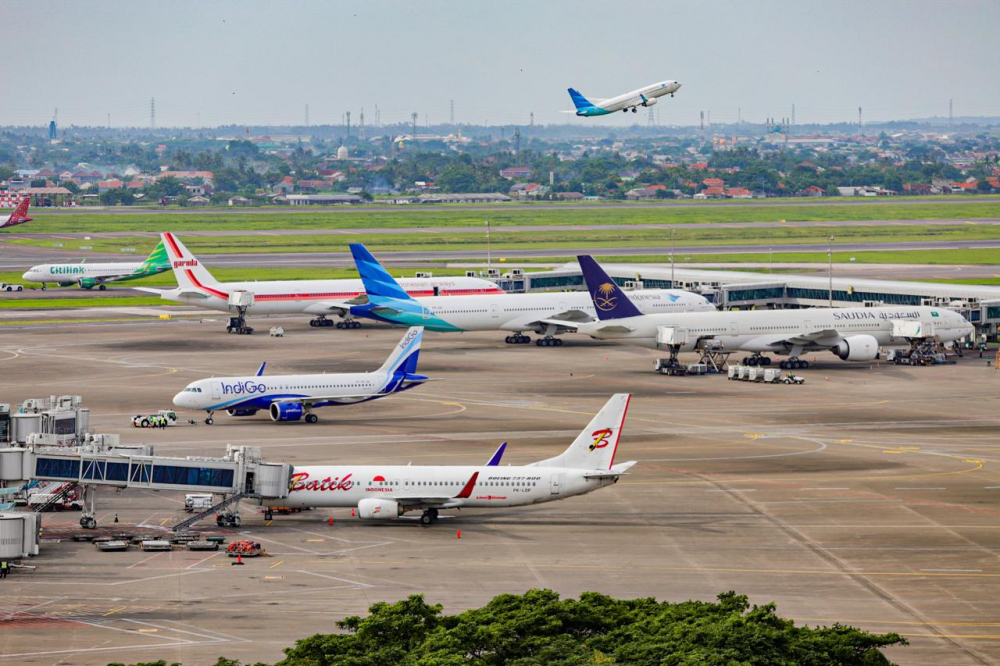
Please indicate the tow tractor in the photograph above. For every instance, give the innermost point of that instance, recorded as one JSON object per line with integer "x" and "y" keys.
{"x": 147, "y": 420}
{"x": 6, "y": 286}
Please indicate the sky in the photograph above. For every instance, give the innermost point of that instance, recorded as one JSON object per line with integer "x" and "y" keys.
{"x": 249, "y": 62}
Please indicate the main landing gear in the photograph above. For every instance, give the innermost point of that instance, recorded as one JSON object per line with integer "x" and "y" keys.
{"x": 311, "y": 418}
{"x": 757, "y": 359}
{"x": 429, "y": 517}
{"x": 793, "y": 364}
{"x": 349, "y": 323}
{"x": 517, "y": 339}
{"x": 549, "y": 342}
{"x": 320, "y": 322}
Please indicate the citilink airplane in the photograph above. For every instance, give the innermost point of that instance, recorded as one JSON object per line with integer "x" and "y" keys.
{"x": 646, "y": 96}
{"x": 290, "y": 397}
{"x": 386, "y": 492}
{"x": 98, "y": 275}
{"x": 542, "y": 313}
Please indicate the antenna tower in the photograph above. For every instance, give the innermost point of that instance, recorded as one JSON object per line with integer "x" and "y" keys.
{"x": 361, "y": 127}
{"x": 152, "y": 113}
{"x": 307, "y": 115}
{"x": 348, "y": 116}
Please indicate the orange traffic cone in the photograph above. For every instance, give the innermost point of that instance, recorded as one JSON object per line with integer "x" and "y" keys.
{"x": 331, "y": 521}
{"x": 459, "y": 535}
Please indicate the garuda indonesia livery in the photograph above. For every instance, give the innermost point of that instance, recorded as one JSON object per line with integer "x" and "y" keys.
{"x": 385, "y": 492}
{"x": 19, "y": 215}
{"x": 196, "y": 286}
{"x": 97, "y": 275}
{"x": 290, "y": 397}
{"x": 646, "y": 96}
{"x": 852, "y": 334}
{"x": 543, "y": 313}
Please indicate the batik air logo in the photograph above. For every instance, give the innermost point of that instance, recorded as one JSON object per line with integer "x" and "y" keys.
{"x": 600, "y": 438}
{"x": 606, "y": 297}
{"x": 301, "y": 481}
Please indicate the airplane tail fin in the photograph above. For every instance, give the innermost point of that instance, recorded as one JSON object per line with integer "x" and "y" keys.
{"x": 20, "y": 214}
{"x": 157, "y": 259}
{"x": 378, "y": 283}
{"x": 610, "y": 301}
{"x": 187, "y": 269}
{"x": 402, "y": 362}
{"x": 595, "y": 447}
{"x": 579, "y": 101}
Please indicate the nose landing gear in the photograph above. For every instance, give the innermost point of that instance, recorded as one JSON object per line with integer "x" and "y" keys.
{"x": 208, "y": 419}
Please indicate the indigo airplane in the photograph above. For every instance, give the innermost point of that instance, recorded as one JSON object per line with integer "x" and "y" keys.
{"x": 98, "y": 275}
{"x": 542, "y": 313}
{"x": 631, "y": 100}
{"x": 386, "y": 492}
{"x": 290, "y": 397}
{"x": 852, "y": 334}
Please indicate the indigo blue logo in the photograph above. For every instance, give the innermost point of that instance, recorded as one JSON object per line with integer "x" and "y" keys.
{"x": 248, "y": 387}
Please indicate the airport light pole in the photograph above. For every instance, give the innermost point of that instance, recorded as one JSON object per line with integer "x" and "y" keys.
{"x": 830, "y": 251}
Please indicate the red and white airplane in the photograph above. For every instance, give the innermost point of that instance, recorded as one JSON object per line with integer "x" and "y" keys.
{"x": 19, "y": 216}
{"x": 385, "y": 492}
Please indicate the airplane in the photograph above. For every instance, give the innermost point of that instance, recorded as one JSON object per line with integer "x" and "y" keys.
{"x": 646, "y": 96}
{"x": 89, "y": 276}
{"x": 19, "y": 215}
{"x": 515, "y": 313}
{"x": 852, "y": 334}
{"x": 386, "y": 492}
{"x": 197, "y": 287}
{"x": 292, "y": 397}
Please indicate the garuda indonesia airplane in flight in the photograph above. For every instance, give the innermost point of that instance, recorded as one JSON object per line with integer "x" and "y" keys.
{"x": 646, "y": 96}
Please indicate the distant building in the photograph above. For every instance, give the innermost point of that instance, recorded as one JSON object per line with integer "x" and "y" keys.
{"x": 198, "y": 201}
{"x": 320, "y": 199}
{"x": 107, "y": 185}
{"x": 342, "y": 153}
{"x": 437, "y": 198}
{"x": 240, "y": 201}
{"x": 510, "y": 173}
{"x": 206, "y": 176}
{"x": 813, "y": 191}
{"x": 570, "y": 196}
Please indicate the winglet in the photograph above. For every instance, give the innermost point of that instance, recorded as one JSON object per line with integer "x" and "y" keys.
{"x": 495, "y": 460}
{"x": 467, "y": 490}
{"x": 376, "y": 279}
{"x": 610, "y": 301}
{"x": 260, "y": 370}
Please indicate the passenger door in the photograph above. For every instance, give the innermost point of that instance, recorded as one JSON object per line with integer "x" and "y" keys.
{"x": 554, "y": 484}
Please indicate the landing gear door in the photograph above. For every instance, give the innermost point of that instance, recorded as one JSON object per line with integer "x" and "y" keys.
{"x": 554, "y": 484}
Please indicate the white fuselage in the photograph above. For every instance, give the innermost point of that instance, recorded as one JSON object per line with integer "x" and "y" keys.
{"x": 258, "y": 392}
{"x": 635, "y": 98}
{"x": 74, "y": 273}
{"x": 309, "y": 296}
{"x": 767, "y": 330}
{"x": 345, "y": 486}
{"x": 523, "y": 312}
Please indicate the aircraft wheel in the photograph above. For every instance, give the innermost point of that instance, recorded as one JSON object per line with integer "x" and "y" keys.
{"x": 624, "y": 110}
{"x": 558, "y": 341}
{"x": 327, "y": 323}
{"x": 355, "y": 324}
{"x": 311, "y": 418}
{"x": 236, "y": 521}
{"x": 209, "y": 421}
{"x": 43, "y": 287}
{"x": 426, "y": 518}
{"x": 766, "y": 359}
{"x": 103, "y": 287}
{"x": 268, "y": 515}
{"x": 803, "y": 364}
{"x": 635, "y": 110}
{"x": 312, "y": 322}
{"x": 783, "y": 365}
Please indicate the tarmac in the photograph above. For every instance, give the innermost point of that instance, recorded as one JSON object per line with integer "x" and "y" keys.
{"x": 868, "y": 496}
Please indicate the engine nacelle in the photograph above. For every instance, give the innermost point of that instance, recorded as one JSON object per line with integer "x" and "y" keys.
{"x": 650, "y": 101}
{"x": 857, "y": 348}
{"x": 86, "y": 283}
{"x": 67, "y": 284}
{"x": 241, "y": 412}
{"x": 286, "y": 411}
{"x": 379, "y": 509}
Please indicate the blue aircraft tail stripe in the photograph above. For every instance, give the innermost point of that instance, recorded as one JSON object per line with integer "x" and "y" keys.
{"x": 610, "y": 301}
{"x": 579, "y": 100}
{"x": 377, "y": 281}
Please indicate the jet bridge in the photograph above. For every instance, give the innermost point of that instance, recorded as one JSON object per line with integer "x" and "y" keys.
{"x": 240, "y": 472}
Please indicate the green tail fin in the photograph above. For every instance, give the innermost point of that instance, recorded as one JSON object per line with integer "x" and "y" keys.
{"x": 157, "y": 259}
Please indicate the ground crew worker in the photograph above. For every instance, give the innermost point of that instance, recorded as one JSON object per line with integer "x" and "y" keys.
{"x": 4, "y": 567}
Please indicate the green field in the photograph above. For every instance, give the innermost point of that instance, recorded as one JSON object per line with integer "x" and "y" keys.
{"x": 983, "y": 257}
{"x": 413, "y": 217}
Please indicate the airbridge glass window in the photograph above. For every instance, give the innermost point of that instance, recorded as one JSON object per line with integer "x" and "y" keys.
{"x": 57, "y": 468}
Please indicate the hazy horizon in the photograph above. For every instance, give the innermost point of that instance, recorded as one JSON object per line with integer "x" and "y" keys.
{"x": 261, "y": 63}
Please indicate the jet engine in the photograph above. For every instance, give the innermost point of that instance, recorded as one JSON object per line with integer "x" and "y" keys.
{"x": 857, "y": 348}
{"x": 286, "y": 411}
{"x": 86, "y": 283}
{"x": 650, "y": 101}
{"x": 379, "y": 509}
{"x": 241, "y": 412}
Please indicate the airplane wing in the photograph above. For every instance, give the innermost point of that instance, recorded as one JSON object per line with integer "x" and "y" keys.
{"x": 411, "y": 502}
{"x": 336, "y": 307}
{"x": 180, "y": 292}
{"x": 311, "y": 399}
{"x": 822, "y": 338}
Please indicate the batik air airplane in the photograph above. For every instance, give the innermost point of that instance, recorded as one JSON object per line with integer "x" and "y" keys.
{"x": 320, "y": 298}
{"x": 386, "y": 492}
{"x": 19, "y": 216}
{"x": 513, "y": 313}
{"x": 852, "y": 334}
{"x": 292, "y": 397}
{"x": 631, "y": 100}
{"x": 98, "y": 275}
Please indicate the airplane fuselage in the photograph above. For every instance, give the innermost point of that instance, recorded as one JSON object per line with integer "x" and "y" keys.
{"x": 645, "y": 96}
{"x": 92, "y": 273}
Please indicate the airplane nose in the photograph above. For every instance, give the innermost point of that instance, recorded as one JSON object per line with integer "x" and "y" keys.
{"x": 26, "y": 276}
{"x": 180, "y": 400}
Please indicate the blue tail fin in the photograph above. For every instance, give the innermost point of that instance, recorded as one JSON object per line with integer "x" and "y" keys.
{"x": 495, "y": 460}
{"x": 376, "y": 279}
{"x": 579, "y": 100}
{"x": 609, "y": 300}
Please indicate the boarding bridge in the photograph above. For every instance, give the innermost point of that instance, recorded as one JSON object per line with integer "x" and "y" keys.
{"x": 241, "y": 472}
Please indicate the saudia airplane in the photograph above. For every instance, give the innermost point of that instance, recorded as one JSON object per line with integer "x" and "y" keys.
{"x": 646, "y": 96}
{"x": 853, "y": 334}
{"x": 292, "y": 397}
{"x": 386, "y": 492}
{"x": 89, "y": 276}
{"x": 513, "y": 313}
{"x": 197, "y": 287}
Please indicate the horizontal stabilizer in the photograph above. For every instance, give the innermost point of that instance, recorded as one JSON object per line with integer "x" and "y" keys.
{"x": 614, "y": 472}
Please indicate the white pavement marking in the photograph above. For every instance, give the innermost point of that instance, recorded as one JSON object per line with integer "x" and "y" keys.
{"x": 342, "y": 580}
